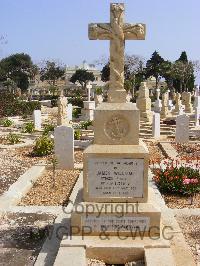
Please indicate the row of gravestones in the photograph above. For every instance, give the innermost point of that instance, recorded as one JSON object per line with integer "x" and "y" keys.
{"x": 165, "y": 106}
{"x": 182, "y": 127}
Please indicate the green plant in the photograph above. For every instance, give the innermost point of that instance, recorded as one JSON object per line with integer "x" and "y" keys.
{"x": 77, "y": 134}
{"x": 76, "y": 112}
{"x": 180, "y": 179}
{"x": 98, "y": 90}
{"x": 7, "y": 122}
{"x": 86, "y": 124}
{"x": 43, "y": 146}
{"x": 29, "y": 127}
{"x": 13, "y": 138}
{"x": 48, "y": 128}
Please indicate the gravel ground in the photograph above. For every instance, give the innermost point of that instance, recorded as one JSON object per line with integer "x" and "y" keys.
{"x": 189, "y": 150}
{"x": 14, "y": 163}
{"x": 154, "y": 151}
{"x": 49, "y": 191}
{"x": 21, "y": 239}
{"x": 191, "y": 233}
{"x": 179, "y": 202}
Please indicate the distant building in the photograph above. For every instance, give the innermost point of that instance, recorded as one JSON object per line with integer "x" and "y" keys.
{"x": 91, "y": 68}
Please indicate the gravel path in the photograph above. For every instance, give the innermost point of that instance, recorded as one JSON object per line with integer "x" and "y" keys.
{"x": 14, "y": 163}
{"x": 21, "y": 239}
{"x": 191, "y": 230}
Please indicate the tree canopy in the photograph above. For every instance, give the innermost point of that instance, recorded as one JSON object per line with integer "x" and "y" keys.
{"x": 153, "y": 67}
{"x": 51, "y": 73}
{"x": 19, "y": 68}
{"x": 82, "y": 76}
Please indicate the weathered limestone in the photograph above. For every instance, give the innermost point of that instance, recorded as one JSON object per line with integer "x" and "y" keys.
{"x": 182, "y": 129}
{"x": 186, "y": 100}
{"x": 144, "y": 103}
{"x": 37, "y": 119}
{"x": 62, "y": 110}
{"x": 64, "y": 147}
{"x": 117, "y": 32}
{"x": 156, "y": 126}
{"x": 88, "y": 110}
{"x": 98, "y": 98}
{"x": 197, "y": 116}
{"x": 164, "y": 109}
{"x": 178, "y": 103}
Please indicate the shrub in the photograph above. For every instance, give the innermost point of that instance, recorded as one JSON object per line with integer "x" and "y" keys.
{"x": 43, "y": 146}
{"x": 48, "y": 128}
{"x": 76, "y": 101}
{"x": 7, "y": 123}
{"x": 13, "y": 138}
{"x": 10, "y": 105}
{"x": 86, "y": 124}
{"x": 76, "y": 112}
{"x": 180, "y": 179}
{"x": 54, "y": 101}
{"x": 29, "y": 127}
{"x": 77, "y": 134}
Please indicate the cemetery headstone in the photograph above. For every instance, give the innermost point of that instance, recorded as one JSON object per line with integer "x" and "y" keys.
{"x": 197, "y": 116}
{"x": 178, "y": 103}
{"x": 62, "y": 110}
{"x": 158, "y": 104}
{"x": 164, "y": 109}
{"x": 144, "y": 103}
{"x": 69, "y": 111}
{"x": 186, "y": 100}
{"x": 182, "y": 129}
{"x": 64, "y": 147}
{"x": 115, "y": 166}
{"x": 156, "y": 126}
{"x": 37, "y": 119}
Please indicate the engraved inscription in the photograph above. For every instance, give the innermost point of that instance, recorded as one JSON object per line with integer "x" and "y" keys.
{"x": 113, "y": 224}
{"x": 109, "y": 177}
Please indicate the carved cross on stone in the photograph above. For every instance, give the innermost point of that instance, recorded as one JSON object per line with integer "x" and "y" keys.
{"x": 117, "y": 32}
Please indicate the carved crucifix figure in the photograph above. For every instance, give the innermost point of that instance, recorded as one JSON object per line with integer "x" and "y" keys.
{"x": 117, "y": 32}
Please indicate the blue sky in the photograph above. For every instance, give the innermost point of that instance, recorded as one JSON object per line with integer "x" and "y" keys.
{"x": 58, "y": 29}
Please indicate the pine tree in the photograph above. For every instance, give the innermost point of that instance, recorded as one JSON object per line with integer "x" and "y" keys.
{"x": 153, "y": 67}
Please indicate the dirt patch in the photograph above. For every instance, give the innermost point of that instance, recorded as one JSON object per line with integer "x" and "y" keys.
{"x": 49, "y": 190}
{"x": 190, "y": 151}
{"x": 21, "y": 239}
{"x": 155, "y": 152}
{"x": 191, "y": 230}
{"x": 179, "y": 202}
{"x": 15, "y": 162}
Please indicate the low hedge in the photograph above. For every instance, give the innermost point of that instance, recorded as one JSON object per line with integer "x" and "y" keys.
{"x": 12, "y": 106}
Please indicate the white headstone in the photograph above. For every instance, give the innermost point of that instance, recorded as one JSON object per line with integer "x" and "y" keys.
{"x": 88, "y": 111}
{"x": 64, "y": 147}
{"x": 182, "y": 129}
{"x": 69, "y": 111}
{"x": 37, "y": 118}
{"x": 170, "y": 105}
{"x": 156, "y": 125}
{"x": 157, "y": 106}
{"x": 197, "y": 116}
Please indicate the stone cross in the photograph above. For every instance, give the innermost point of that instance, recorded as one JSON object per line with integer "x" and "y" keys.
{"x": 117, "y": 32}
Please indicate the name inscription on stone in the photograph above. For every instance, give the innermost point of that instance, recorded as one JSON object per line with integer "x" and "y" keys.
{"x": 113, "y": 224}
{"x": 109, "y": 177}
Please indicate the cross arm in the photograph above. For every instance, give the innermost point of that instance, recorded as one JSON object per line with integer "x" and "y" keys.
{"x": 134, "y": 31}
{"x": 99, "y": 31}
